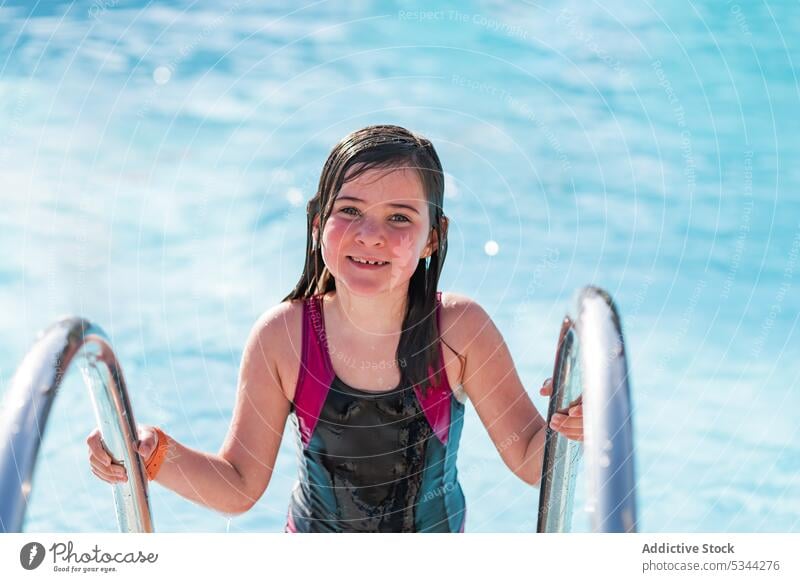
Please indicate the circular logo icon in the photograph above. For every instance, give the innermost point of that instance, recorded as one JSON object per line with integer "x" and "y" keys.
{"x": 31, "y": 555}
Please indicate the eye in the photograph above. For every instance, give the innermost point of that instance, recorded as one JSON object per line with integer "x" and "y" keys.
{"x": 403, "y": 217}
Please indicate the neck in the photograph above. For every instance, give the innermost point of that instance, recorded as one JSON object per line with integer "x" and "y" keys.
{"x": 380, "y": 316}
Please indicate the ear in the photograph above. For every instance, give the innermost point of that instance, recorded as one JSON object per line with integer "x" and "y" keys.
{"x": 433, "y": 240}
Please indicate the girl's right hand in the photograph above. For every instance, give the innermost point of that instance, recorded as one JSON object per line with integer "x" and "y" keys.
{"x": 103, "y": 464}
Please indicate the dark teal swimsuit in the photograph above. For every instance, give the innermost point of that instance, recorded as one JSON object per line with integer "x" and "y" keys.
{"x": 372, "y": 462}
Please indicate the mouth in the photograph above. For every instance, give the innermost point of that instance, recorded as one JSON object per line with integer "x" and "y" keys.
{"x": 362, "y": 263}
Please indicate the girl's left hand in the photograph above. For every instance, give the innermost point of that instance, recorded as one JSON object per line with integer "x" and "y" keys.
{"x": 569, "y": 421}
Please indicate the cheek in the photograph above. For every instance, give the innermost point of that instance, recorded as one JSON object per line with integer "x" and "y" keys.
{"x": 336, "y": 231}
{"x": 333, "y": 236}
{"x": 403, "y": 250}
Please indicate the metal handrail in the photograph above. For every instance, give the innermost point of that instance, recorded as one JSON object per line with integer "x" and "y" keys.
{"x": 27, "y": 405}
{"x": 608, "y": 424}
{"x": 591, "y": 359}
{"x": 560, "y": 462}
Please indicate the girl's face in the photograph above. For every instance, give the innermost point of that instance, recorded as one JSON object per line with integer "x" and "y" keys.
{"x": 382, "y": 216}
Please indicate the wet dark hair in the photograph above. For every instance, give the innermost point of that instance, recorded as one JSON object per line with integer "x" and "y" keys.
{"x": 387, "y": 146}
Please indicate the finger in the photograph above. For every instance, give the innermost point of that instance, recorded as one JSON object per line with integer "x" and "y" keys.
{"x": 144, "y": 451}
{"x": 109, "y": 470}
{"x": 562, "y": 423}
{"x": 576, "y": 411}
{"x": 547, "y": 387}
{"x": 101, "y": 476}
{"x": 570, "y": 429}
{"x": 143, "y": 447}
{"x": 104, "y": 476}
{"x": 570, "y": 432}
{"x": 148, "y": 445}
{"x": 112, "y": 474}
{"x": 97, "y": 448}
{"x": 556, "y": 421}
{"x": 112, "y": 479}
{"x": 570, "y": 423}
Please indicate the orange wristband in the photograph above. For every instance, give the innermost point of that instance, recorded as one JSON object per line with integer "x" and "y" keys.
{"x": 157, "y": 458}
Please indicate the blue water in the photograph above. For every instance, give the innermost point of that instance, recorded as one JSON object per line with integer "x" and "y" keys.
{"x": 155, "y": 162}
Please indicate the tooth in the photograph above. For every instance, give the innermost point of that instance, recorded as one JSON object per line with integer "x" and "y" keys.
{"x": 364, "y": 261}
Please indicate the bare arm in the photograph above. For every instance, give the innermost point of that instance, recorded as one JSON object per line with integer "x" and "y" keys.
{"x": 232, "y": 480}
{"x": 259, "y": 418}
{"x": 494, "y": 387}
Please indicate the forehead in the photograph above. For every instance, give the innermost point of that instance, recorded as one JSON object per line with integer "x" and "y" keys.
{"x": 379, "y": 185}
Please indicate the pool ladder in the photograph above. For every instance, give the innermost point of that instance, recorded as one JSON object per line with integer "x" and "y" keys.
{"x": 27, "y": 405}
{"x": 590, "y": 360}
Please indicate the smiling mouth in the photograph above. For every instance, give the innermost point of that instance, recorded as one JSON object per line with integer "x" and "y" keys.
{"x": 364, "y": 263}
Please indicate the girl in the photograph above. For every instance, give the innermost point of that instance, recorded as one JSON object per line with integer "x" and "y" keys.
{"x": 369, "y": 360}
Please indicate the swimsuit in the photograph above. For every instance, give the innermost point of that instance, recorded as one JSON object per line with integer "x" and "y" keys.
{"x": 372, "y": 461}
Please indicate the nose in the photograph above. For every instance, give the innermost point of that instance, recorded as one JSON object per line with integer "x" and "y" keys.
{"x": 370, "y": 234}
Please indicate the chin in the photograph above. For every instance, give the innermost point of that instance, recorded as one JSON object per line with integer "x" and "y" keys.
{"x": 363, "y": 289}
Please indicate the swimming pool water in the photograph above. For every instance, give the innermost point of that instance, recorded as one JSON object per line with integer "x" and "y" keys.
{"x": 156, "y": 160}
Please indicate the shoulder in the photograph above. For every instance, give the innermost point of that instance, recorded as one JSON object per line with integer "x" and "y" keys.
{"x": 451, "y": 300}
{"x": 278, "y": 319}
{"x": 274, "y": 343}
{"x": 461, "y": 309}
{"x": 463, "y": 320}
{"x": 275, "y": 331}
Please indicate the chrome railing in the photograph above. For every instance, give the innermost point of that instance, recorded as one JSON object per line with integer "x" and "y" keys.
{"x": 561, "y": 455}
{"x": 590, "y": 360}
{"x": 26, "y": 408}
